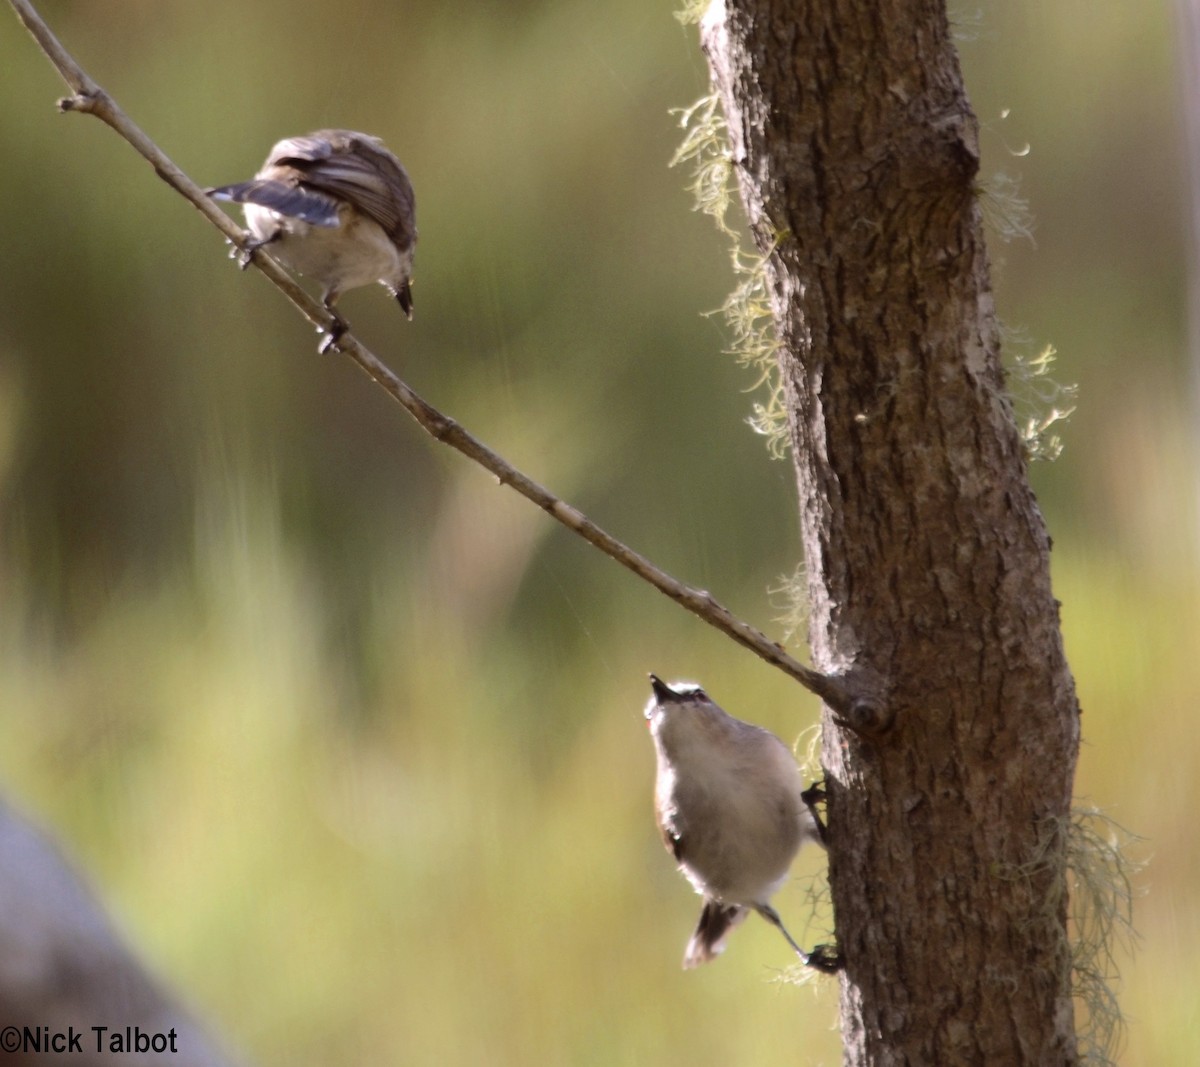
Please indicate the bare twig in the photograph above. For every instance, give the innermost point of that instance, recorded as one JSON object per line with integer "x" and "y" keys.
{"x": 89, "y": 97}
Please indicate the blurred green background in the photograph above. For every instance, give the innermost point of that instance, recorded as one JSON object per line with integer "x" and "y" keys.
{"x": 348, "y": 737}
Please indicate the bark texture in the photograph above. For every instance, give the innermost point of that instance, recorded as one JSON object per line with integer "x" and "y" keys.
{"x": 928, "y": 561}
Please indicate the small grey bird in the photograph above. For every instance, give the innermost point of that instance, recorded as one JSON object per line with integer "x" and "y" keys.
{"x": 732, "y": 810}
{"x": 336, "y": 206}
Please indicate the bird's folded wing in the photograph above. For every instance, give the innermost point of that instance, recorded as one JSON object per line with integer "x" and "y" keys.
{"x": 354, "y": 169}
{"x": 294, "y": 201}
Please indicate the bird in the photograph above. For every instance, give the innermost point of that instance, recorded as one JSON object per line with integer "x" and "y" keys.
{"x": 336, "y": 206}
{"x": 732, "y": 809}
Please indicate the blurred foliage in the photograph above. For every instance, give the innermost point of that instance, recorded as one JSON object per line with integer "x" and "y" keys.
{"x": 348, "y": 736}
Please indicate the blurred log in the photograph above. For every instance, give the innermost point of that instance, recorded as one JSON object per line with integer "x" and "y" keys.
{"x": 64, "y": 970}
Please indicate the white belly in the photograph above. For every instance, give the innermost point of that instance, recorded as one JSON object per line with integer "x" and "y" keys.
{"x": 356, "y": 252}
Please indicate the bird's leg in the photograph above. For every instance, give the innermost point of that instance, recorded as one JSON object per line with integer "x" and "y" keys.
{"x": 812, "y": 796}
{"x": 331, "y": 334}
{"x": 824, "y": 958}
{"x": 245, "y": 254}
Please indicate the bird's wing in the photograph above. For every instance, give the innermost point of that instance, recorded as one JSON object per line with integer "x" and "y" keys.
{"x": 294, "y": 201}
{"x": 670, "y": 825}
{"x": 354, "y": 168}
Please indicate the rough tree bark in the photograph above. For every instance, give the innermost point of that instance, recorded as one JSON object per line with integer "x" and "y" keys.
{"x": 949, "y": 787}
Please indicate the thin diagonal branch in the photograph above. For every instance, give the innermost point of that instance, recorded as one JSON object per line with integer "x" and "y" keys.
{"x": 89, "y": 97}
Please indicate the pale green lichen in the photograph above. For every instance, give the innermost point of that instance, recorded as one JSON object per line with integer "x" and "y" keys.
{"x": 747, "y": 310}
{"x": 1102, "y": 926}
{"x": 790, "y": 597}
{"x": 1099, "y": 885}
{"x": 692, "y": 11}
{"x": 1040, "y": 402}
{"x": 706, "y": 146}
{"x": 1005, "y": 209}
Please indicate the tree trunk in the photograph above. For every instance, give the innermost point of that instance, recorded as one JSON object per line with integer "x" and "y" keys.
{"x": 949, "y": 782}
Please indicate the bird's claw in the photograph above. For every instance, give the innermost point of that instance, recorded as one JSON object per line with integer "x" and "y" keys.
{"x": 331, "y": 334}
{"x": 827, "y": 959}
{"x": 812, "y": 796}
{"x": 243, "y": 255}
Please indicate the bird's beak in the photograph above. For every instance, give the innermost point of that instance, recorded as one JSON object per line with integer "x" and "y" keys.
{"x": 662, "y": 691}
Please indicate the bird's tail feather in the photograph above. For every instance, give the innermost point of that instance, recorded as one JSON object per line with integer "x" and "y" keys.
{"x": 716, "y": 920}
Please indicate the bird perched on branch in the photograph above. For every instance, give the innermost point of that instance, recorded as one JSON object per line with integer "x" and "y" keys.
{"x": 732, "y": 810}
{"x": 336, "y": 206}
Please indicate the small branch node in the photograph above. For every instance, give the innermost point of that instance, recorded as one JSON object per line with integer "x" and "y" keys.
{"x": 859, "y": 702}
{"x": 85, "y": 102}
{"x": 867, "y": 718}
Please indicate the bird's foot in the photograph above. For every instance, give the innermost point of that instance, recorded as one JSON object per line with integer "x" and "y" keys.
{"x": 812, "y": 796}
{"x": 243, "y": 255}
{"x": 331, "y": 334}
{"x": 827, "y": 959}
